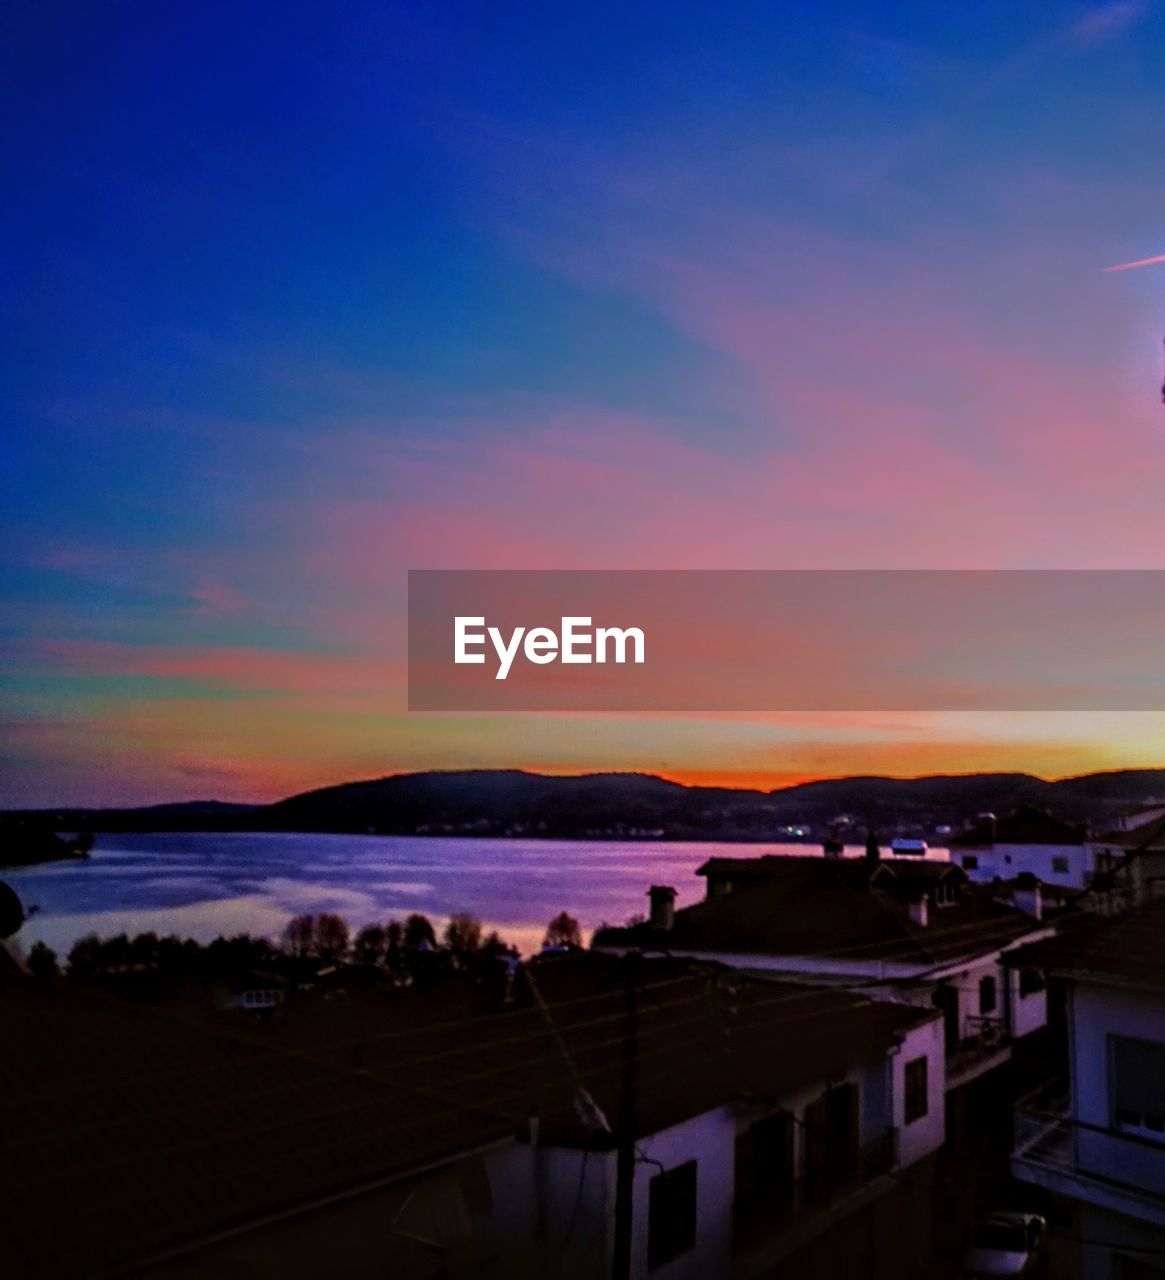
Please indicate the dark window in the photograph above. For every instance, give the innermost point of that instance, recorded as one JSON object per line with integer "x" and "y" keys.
{"x": 1060, "y": 864}
{"x": 671, "y": 1214}
{"x": 1030, "y": 981}
{"x": 971, "y": 861}
{"x": 831, "y": 1141}
{"x": 916, "y": 1095}
{"x": 765, "y": 1176}
{"x": 986, "y": 995}
{"x": 1138, "y": 1084}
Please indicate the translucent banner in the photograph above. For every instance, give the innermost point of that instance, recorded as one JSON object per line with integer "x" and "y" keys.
{"x": 786, "y": 640}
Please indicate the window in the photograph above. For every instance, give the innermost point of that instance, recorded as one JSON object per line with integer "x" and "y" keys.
{"x": 671, "y": 1214}
{"x": 987, "y": 995}
{"x": 764, "y": 1177}
{"x": 971, "y": 861}
{"x": 1031, "y": 981}
{"x": 1137, "y": 1075}
{"x": 831, "y": 1141}
{"x": 1060, "y": 864}
{"x": 764, "y": 1159}
{"x": 916, "y": 1095}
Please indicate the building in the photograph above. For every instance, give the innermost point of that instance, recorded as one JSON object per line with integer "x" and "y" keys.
{"x": 1026, "y": 841}
{"x": 1098, "y": 1154}
{"x": 1130, "y": 864}
{"x": 685, "y": 1118}
{"x": 914, "y": 932}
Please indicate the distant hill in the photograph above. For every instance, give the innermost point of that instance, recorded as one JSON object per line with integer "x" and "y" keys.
{"x": 636, "y": 805}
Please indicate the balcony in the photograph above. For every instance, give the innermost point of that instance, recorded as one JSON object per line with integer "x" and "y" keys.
{"x": 986, "y": 1047}
{"x": 1106, "y": 1167}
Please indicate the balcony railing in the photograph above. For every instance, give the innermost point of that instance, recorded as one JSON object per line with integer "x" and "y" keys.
{"x": 1103, "y": 1165}
{"x": 988, "y": 1038}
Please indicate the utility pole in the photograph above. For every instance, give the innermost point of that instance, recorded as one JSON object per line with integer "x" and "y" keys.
{"x": 625, "y": 1153}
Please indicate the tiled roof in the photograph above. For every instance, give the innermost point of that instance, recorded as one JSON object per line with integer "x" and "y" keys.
{"x": 129, "y": 1132}
{"x": 1024, "y": 826}
{"x": 834, "y": 908}
{"x": 707, "y": 1038}
{"x": 1128, "y": 949}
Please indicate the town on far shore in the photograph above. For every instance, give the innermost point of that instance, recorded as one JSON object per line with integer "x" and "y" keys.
{"x": 847, "y": 1059}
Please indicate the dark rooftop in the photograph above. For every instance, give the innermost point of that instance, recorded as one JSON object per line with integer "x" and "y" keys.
{"x": 1024, "y": 826}
{"x": 131, "y": 1132}
{"x": 833, "y": 908}
{"x": 1128, "y": 950}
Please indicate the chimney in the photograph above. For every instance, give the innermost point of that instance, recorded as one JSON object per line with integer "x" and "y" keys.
{"x": 1027, "y": 897}
{"x": 920, "y": 910}
{"x": 873, "y": 853}
{"x": 663, "y": 907}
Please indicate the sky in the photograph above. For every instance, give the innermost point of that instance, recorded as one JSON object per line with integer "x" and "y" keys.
{"x": 296, "y": 298}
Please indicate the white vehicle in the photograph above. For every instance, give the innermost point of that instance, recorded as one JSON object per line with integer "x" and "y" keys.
{"x": 1008, "y": 1244}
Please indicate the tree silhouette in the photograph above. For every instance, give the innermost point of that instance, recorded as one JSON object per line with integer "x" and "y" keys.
{"x": 42, "y": 961}
{"x": 331, "y": 936}
{"x": 299, "y": 935}
{"x": 85, "y": 958}
{"x": 371, "y": 945}
{"x": 463, "y": 933}
{"x": 418, "y": 930}
{"x": 563, "y": 931}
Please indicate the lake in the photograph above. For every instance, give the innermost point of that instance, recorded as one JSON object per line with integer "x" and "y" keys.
{"x": 200, "y": 885}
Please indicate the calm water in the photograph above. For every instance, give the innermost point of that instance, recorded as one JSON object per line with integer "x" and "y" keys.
{"x": 200, "y": 885}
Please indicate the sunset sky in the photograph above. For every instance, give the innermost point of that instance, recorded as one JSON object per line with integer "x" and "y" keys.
{"x": 299, "y": 297}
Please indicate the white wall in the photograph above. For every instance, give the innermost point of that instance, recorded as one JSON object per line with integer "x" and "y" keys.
{"x": 710, "y": 1140}
{"x": 1008, "y": 860}
{"x": 1098, "y": 1012}
{"x": 553, "y": 1209}
{"x": 926, "y": 1134}
{"x": 1028, "y": 1013}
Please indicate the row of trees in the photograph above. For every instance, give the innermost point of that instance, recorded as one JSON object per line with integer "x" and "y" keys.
{"x": 308, "y": 941}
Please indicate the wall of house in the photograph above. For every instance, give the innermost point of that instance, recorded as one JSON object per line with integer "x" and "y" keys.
{"x": 1008, "y": 860}
{"x": 922, "y": 1136}
{"x": 710, "y": 1140}
{"x": 966, "y": 982}
{"x": 1027, "y": 1013}
{"x": 1096, "y": 1013}
{"x": 552, "y": 1212}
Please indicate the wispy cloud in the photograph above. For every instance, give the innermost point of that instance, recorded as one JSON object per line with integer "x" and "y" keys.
{"x": 1107, "y": 21}
{"x": 1141, "y": 262}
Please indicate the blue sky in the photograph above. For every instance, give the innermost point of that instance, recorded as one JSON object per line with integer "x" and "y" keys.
{"x": 297, "y": 297}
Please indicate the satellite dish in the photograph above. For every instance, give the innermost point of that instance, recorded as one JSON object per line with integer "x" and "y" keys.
{"x": 11, "y": 911}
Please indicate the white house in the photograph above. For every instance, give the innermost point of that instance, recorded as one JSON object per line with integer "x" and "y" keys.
{"x": 777, "y": 1126}
{"x": 916, "y": 933}
{"x": 1027, "y": 840}
{"x": 1101, "y": 1151}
